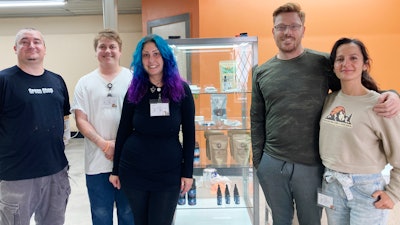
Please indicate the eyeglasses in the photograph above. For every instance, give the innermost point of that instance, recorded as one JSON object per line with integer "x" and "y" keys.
{"x": 282, "y": 27}
{"x": 109, "y": 85}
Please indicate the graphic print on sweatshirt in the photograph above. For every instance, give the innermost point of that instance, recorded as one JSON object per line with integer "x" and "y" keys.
{"x": 338, "y": 117}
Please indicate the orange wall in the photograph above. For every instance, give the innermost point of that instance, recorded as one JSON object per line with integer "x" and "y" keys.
{"x": 158, "y": 9}
{"x": 376, "y": 23}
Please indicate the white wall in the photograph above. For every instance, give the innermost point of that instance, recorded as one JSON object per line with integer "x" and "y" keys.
{"x": 69, "y": 42}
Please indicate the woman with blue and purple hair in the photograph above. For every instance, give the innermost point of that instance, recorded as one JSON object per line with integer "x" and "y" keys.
{"x": 151, "y": 165}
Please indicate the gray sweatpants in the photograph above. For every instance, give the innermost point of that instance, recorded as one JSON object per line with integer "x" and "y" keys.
{"x": 286, "y": 185}
{"x": 46, "y": 197}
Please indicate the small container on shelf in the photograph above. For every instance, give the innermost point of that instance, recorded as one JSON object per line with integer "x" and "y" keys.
{"x": 192, "y": 194}
{"x": 219, "y": 196}
{"x": 227, "y": 195}
{"x": 196, "y": 157}
{"x": 236, "y": 197}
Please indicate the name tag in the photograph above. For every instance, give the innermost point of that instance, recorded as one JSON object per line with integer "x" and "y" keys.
{"x": 159, "y": 109}
{"x": 109, "y": 102}
{"x": 325, "y": 200}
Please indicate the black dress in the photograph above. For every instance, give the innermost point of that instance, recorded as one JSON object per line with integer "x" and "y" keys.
{"x": 148, "y": 153}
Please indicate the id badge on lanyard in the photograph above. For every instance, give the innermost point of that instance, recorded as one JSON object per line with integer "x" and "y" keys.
{"x": 159, "y": 107}
{"x": 109, "y": 102}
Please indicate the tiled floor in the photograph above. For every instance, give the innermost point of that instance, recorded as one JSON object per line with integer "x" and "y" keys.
{"x": 78, "y": 210}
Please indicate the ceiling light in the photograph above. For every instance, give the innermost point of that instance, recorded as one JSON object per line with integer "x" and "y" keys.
{"x": 26, "y": 3}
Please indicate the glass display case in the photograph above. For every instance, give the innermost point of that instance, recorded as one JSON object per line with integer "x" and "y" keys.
{"x": 219, "y": 72}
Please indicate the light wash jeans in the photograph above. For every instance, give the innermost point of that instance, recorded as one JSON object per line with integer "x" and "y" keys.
{"x": 352, "y": 198}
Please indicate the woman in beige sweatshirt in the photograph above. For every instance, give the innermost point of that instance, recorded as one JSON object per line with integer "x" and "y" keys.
{"x": 356, "y": 144}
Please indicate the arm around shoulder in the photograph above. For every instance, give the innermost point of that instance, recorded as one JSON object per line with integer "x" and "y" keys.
{"x": 388, "y": 104}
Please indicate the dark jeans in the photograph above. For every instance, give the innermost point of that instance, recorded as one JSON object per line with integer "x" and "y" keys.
{"x": 152, "y": 207}
{"x": 102, "y": 196}
{"x": 287, "y": 184}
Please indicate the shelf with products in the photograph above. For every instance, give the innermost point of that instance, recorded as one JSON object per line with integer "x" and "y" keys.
{"x": 220, "y": 191}
{"x": 218, "y": 194}
{"x": 222, "y": 111}
{"x": 219, "y": 72}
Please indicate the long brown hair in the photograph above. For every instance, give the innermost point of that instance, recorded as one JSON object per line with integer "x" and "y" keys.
{"x": 366, "y": 79}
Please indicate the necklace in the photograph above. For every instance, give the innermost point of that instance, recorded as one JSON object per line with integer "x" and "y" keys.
{"x": 154, "y": 82}
{"x": 154, "y": 88}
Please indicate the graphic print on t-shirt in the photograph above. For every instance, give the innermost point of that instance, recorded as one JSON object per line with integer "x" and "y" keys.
{"x": 35, "y": 91}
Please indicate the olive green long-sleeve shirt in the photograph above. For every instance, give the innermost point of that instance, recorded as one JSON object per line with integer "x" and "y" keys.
{"x": 287, "y": 99}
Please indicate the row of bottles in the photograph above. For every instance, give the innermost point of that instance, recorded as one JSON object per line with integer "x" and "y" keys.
{"x": 236, "y": 197}
{"x": 191, "y": 196}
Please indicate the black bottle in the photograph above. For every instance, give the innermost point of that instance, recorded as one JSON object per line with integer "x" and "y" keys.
{"x": 219, "y": 196}
{"x": 192, "y": 194}
{"x": 227, "y": 195}
{"x": 182, "y": 199}
{"x": 236, "y": 197}
{"x": 196, "y": 156}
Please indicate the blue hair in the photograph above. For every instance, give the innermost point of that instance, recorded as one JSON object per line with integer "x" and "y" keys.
{"x": 173, "y": 82}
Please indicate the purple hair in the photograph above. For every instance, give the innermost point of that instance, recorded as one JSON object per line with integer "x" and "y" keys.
{"x": 173, "y": 82}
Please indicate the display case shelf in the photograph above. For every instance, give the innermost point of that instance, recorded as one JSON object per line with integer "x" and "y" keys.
{"x": 219, "y": 72}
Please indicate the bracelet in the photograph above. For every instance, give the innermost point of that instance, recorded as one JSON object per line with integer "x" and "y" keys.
{"x": 107, "y": 147}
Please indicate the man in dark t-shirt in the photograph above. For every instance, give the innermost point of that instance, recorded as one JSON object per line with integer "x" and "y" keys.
{"x": 33, "y": 166}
